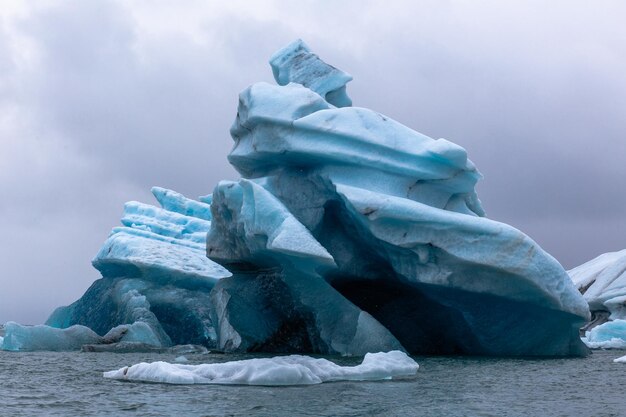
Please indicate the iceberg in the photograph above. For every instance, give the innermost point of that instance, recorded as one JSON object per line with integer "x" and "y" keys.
{"x": 351, "y": 233}
{"x": 156, "y": 278}
{"x": 603, "y": 283}
{"x": 282, "y": 370}
{"x": 41, "y": 337}
{"x": 610, "y": 335}
{"x": 138, "y": 336}
{"x": 347, "y": 233}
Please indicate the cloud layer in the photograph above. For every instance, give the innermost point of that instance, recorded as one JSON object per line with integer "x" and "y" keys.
{"x": 101, "y": 100}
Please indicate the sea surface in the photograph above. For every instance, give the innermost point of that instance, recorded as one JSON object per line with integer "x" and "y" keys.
{"x": 71, "y": 384}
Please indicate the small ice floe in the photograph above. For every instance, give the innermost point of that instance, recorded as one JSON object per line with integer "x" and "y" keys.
{"x": 610, "y": 335}
{"x": 181, "y": 359}
{"x": 280, "y": 370}
{"x": 621, "y": 359}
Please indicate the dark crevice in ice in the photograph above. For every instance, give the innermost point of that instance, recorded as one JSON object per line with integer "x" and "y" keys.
{"x": 421, "y": 324}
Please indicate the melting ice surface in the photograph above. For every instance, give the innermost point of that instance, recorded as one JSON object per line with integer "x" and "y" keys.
{"x": 280, "y": 370}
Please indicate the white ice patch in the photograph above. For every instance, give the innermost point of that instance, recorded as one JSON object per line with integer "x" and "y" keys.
{"x": 610, "y": 335}
{"x": 280, "y": 370}
{"x": 621, "y": 359}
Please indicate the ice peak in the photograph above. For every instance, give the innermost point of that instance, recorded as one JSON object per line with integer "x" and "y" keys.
{"x": 295, "y": 63}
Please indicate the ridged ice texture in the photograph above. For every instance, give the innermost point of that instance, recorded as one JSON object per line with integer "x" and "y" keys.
{"x": 281, "y": 370}
{"x": 397, "y": 213}
{"x": 163, "y": 244}
{"x": 156, "y": 277}
{"x": 603, "y": 283}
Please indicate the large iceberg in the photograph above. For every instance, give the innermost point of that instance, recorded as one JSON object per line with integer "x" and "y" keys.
{"x": 282, "y": 370}
{"x": 350, "y": 233}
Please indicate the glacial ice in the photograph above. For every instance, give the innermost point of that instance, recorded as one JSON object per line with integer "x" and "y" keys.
{"x": 47, "y": 338}
{"x": 344, "y": 204}
{"x": 348, "y": 233}
{"x": 281, "y": 370}
{"x": 610, "y": 335}
{"x": 40, "y": 337}
{"x": 297, "y": 64}
{"x": 603, "y": 283}
{"x": 156, "y": 277}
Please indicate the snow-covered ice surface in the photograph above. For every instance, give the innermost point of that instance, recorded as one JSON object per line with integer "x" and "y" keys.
{"x": 280, "y": 370}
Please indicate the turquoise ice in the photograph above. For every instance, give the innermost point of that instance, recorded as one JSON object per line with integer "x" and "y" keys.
{"x": 156, "y": 277}
{"x": 348, "y": 233}
{"x": 345, "y": 204}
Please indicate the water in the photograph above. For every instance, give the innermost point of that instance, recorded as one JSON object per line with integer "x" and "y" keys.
{"x": 71, "y": 384}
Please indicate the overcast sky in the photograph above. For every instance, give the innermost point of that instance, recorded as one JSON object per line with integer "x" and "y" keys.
{"x": 100, "y": 100}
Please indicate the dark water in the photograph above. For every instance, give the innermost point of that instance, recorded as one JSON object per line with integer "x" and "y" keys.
{"x": 71, "y": 384}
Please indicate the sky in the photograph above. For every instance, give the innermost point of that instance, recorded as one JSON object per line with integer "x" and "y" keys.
{"x": 101, "y": 100}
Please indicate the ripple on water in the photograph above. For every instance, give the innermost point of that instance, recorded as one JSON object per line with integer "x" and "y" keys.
{"x": 71, "y": 383}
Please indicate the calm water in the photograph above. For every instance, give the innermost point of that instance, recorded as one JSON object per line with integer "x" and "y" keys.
{"x": 71, "y": 384}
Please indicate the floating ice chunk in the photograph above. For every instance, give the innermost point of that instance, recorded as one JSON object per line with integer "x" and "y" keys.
{"x": 1, "y": 343}
{"x": 621, "y": 359}
{"x": 610, "y": 335}
{"x": 181, "y": 359}
{"x": 296, "y": 63}
{"x": 42, "y": 337}
{"x": 176, "y": 202}
{"x": 281, "y": 370}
